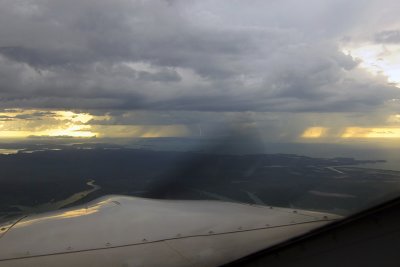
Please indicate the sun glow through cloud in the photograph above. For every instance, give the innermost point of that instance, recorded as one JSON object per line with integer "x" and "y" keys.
{"x": 378, "y": 59}
{"x": 360, "y": 132}
{"x": 314, "y": 132}
{"x": 20, "y": 123}
{"x": 72, "y": 116}
{"x": 71, "y": 131}
{"x": 353, "y": 132}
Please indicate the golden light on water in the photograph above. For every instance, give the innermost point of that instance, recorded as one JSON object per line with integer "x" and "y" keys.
{"x": 314, "y": 132}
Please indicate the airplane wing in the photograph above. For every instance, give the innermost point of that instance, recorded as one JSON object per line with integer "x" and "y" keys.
{"x": 130, "y": 231}
{"x": 368, "y": 238}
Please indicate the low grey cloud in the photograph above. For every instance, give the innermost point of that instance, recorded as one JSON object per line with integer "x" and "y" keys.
{"x": 175, "y": 55}
{"x": 392, "y": 36}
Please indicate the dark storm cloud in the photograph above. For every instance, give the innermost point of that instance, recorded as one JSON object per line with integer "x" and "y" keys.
{"x": 176, "y": 55}
{"x": 6, "y": 118}
{"x": 37, "y": 115}
{"x": 78, "y": 32}
{"x": 162, "y": 76}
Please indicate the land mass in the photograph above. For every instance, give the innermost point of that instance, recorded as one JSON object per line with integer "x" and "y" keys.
{"x": 43, "y": 180}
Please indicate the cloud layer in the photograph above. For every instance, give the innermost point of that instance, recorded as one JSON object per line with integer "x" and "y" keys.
{"x": 201, "y": 56}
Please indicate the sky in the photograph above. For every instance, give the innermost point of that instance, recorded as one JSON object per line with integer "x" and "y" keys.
{"x": 291, "y": 71}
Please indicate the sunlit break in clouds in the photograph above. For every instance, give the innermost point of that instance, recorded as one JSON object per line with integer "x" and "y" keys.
{"x": 382, "y": 59}
{"x": 20, "y": 123}
{"x": 314, "y": 132}
{"x": 359, "y": 132}
{"x": 28, "y": 123}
